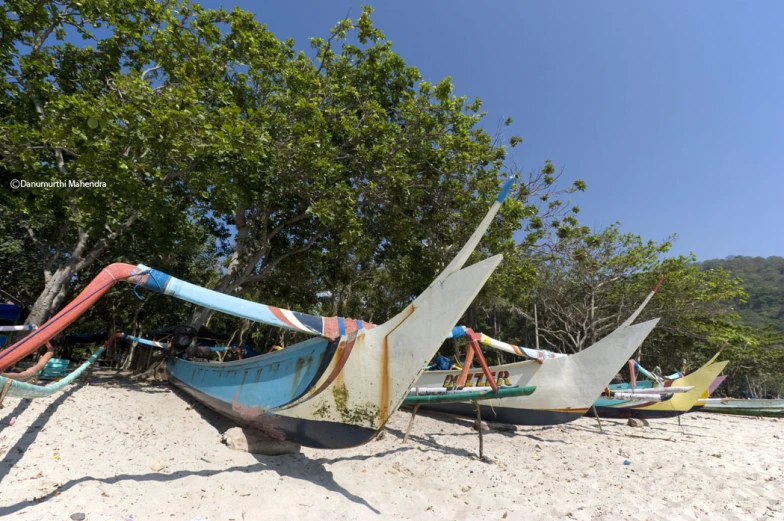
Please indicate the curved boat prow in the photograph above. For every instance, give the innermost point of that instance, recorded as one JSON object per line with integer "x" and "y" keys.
{"x": 593, "y": 368}
{"x": 633, "y": 317}
{"x": 391, "y": 356}
{"x": 462, "y": 257}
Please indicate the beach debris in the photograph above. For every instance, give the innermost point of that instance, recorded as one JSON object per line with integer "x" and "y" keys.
{"x": 245, "y": 440}
{"x": 158, "y": 466}
{"x": 716, "y": 455}
{"x": 627, "y": 462}
{"x": 78, "y": 516}
{"x": 634, "y": 422}
{"x": 12, "y": 421}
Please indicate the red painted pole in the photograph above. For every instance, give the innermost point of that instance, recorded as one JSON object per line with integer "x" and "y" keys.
{"x": 474, "y": 341}
{"x": 95, "y": 290}
{"x": 461, "y": 380}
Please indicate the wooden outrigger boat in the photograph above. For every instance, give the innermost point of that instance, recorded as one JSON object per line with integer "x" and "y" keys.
{"x": 751, "y": 407}
{"x": 680, "y": 403}
{"x": 697, "y": 407}
{"x": 566, "y": 385}
{"x": 334, "y": 391}
{"x": 747, "y": 407}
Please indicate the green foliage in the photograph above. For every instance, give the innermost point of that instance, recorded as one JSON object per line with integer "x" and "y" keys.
{"x": 233, "y": 161}
{"x": 763, "y": 280}
{"x": 587, "y": 283}
{"x": 590, "y": 281}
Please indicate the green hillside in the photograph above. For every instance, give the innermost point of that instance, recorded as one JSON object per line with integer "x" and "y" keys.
{"x": 763, "y": 280}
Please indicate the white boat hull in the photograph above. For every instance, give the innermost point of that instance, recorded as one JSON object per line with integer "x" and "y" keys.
{"x": 566, "y": 387}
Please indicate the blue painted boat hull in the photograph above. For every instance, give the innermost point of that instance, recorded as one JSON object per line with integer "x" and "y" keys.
{"x": 250, "y": 392}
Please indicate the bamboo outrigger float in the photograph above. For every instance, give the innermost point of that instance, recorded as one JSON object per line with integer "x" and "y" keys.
{"x": 334, "y": 391}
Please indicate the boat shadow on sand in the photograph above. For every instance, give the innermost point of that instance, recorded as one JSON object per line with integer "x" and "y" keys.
{"x": 123, "y": 378}
{"x": 296, "y": 466}
{"x": 17, "y": 450}
{"x": 468, "y": 424}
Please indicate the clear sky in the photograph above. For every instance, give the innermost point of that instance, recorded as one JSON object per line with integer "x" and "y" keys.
{"x": 672, "y": 112}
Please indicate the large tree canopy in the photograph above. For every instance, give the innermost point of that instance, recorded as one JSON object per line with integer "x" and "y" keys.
{"x": 310, "y": 171}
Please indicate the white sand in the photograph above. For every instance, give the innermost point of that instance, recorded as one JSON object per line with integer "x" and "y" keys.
{"x": 92, "y": 449}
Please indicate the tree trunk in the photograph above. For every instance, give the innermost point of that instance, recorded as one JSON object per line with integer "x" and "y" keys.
{"x": 53, "y": 294}
{"x": 199, "y": 317}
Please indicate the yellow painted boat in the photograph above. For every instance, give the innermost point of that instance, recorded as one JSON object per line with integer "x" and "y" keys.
{"x": 700, "y": 380}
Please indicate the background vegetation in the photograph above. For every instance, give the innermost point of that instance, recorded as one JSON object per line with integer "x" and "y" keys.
{"x": 334, "y": 182}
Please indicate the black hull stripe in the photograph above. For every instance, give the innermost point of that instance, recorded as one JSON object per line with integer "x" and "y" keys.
{"x": 628, "y": 412}
{"x": 511, "y": 415}
{"x": 309, "y": 433}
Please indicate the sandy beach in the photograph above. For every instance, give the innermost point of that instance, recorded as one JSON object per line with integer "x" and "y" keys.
{"x": 93, "y": 450}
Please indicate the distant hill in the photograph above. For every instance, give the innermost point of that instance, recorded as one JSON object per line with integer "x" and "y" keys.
{"x": 763, "y": 280}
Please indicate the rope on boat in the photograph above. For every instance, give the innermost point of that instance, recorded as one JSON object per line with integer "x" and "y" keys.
{"x": 26, "y": 390}
{"x": 139, "y": 281}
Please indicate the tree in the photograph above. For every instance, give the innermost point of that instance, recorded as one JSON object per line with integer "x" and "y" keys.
{"x": 297, "y": 165}
{"x": 78, "y": 108}
{"x": 590, "y": 282}
{"x": 346, "y": 158}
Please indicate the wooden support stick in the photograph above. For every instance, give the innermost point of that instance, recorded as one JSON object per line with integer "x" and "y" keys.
{"x": 595, "y": 413}
{"x": 479, "y": 428}
{"x": 411, "y": 422}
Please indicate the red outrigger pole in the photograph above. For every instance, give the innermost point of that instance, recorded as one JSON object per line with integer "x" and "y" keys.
{"x": 95, "y": 290}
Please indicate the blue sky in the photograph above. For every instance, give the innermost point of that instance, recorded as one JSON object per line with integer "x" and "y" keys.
{"x": 672, "y": 112}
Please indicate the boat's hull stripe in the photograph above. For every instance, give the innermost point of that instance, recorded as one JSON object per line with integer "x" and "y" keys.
{"x": 629, "y": 412}
{"x": 339, "y": 365}
{"x": 311, "y": 433}
{"x": 509, "y": 414}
